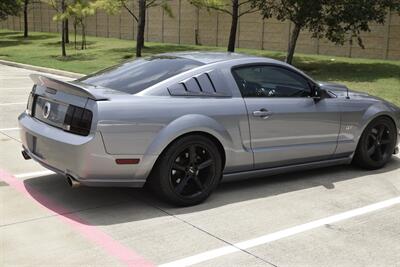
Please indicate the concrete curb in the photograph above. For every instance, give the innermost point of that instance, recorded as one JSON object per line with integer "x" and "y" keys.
{"x": 41, "y": 69}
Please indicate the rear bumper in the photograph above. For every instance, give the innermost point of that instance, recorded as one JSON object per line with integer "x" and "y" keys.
{"x": 82, "y": 157}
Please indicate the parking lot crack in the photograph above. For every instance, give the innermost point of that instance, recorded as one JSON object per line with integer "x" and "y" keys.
{"x": 9, "y": 136}
{"x": 210, "y": 234}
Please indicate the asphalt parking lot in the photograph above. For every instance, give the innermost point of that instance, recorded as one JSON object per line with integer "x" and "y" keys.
{"x": 340, "y": 216}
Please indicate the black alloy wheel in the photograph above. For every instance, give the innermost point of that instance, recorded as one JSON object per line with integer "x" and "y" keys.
{"x": 377, "y": 144}
{"x": 188, "y": 171}
{"x": 192, "y": 171}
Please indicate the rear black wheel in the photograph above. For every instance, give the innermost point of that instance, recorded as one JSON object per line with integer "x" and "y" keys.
{"x": 376, "y": 144}
{"x": 188, "y": 171}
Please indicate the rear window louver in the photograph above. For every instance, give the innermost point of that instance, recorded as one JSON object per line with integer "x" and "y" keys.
{"x": 205, "y": 84}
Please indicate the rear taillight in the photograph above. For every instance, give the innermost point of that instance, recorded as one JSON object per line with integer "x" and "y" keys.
{"x": 29, "y": 106}
{"x": 31, "y": 102}
{"x": 78, "y": 120}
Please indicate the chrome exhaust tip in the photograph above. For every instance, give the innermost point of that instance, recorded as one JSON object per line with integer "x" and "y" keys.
{"x": 25, "y": 155}
{"x": 73, "y": 183}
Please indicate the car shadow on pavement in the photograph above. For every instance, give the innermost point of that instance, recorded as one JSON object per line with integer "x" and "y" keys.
{"x": 109, "y": 206}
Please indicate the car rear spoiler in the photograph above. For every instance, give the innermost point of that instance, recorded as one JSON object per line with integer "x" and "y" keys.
{"x": 66, "y": 87}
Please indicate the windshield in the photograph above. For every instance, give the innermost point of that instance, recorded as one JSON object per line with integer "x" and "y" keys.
{"x": 134, "y": 76}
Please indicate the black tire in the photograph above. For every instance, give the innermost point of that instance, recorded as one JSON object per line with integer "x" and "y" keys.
{"x": 376, "y": 144}
{"x": 188, "y": 171}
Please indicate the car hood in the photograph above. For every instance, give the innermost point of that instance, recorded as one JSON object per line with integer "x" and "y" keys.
{"x": 340, "y": 90}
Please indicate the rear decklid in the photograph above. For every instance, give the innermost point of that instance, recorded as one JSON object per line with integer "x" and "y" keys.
{"x": 73, "y": 88}
{"x": 68, "y": 105}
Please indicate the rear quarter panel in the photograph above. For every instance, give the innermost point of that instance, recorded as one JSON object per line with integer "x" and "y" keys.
{"x": 146, "y": 125}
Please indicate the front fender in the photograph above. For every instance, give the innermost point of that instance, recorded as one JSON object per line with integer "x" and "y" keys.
{"x": 356, "y": 116}
{"x": 375, "y": 111}
{"x": 372, "y": 112}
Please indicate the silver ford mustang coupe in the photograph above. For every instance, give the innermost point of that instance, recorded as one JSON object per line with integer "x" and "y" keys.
{"x": 182, "y": 122}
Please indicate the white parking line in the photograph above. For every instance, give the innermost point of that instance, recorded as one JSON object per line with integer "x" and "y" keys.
{"x": 215, "y": 253}
{"x": 34, "y": 174}
{"x": 9, "y": 129}
{"x": 10, "y": 104}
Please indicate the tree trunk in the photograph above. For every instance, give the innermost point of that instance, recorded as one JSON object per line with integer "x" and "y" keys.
{"x": 26, "y": 3}
{"x": 83, "y": 45}
{"x": 234, "y": 23}
{"x": 66, "y": 31}
{"x": 141, "y": 25}
{"x": 75, "y": 34}
{"x": 83, "y": 37}
{"x": 63, "y": 52}
{"x": 292, "y": 44}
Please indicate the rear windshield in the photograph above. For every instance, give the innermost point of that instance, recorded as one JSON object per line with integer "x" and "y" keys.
{"x": 134, "y": 76}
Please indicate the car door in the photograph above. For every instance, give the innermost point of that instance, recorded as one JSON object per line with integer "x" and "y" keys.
{"x": 287, "y": 125}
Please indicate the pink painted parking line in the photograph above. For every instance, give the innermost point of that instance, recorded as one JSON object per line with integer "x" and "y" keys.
{"x": 122, "y": 253}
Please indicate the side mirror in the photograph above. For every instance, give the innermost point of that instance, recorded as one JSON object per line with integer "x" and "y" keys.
{"x": 316, "y": 93}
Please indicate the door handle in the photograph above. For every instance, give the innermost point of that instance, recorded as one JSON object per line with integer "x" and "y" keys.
{"x": 263, "y": 113}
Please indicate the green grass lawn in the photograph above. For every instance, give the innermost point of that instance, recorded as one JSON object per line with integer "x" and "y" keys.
{"x": 377, "y": 77}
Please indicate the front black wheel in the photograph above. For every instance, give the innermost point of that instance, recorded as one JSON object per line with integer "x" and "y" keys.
{"x": 188, "y": 171}
{"x": 376, "y": 144}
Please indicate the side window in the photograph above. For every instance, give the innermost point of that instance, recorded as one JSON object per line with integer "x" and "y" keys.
{"x": 270, "y": 81}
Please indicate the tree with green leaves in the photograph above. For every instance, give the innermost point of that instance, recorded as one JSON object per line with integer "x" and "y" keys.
{"x": 346, "y": 20}
{"x": 60, "y": 6}
{"x": 9, "y": 8}
{"x": 78, "y": 11}
{"x": 25, "y": 11}
{"x": 304, "y": 14}
{"x": 115, "y": 6}
{"x": 335, "y": 20}
{"x": 26, "y": 6}
{"x": 234, "y": 8}
{"x": 26, "y": 25}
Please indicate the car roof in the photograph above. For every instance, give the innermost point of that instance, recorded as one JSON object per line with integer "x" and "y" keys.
{"x": 212, "y": 57}
{"x": 209, "y": 57}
